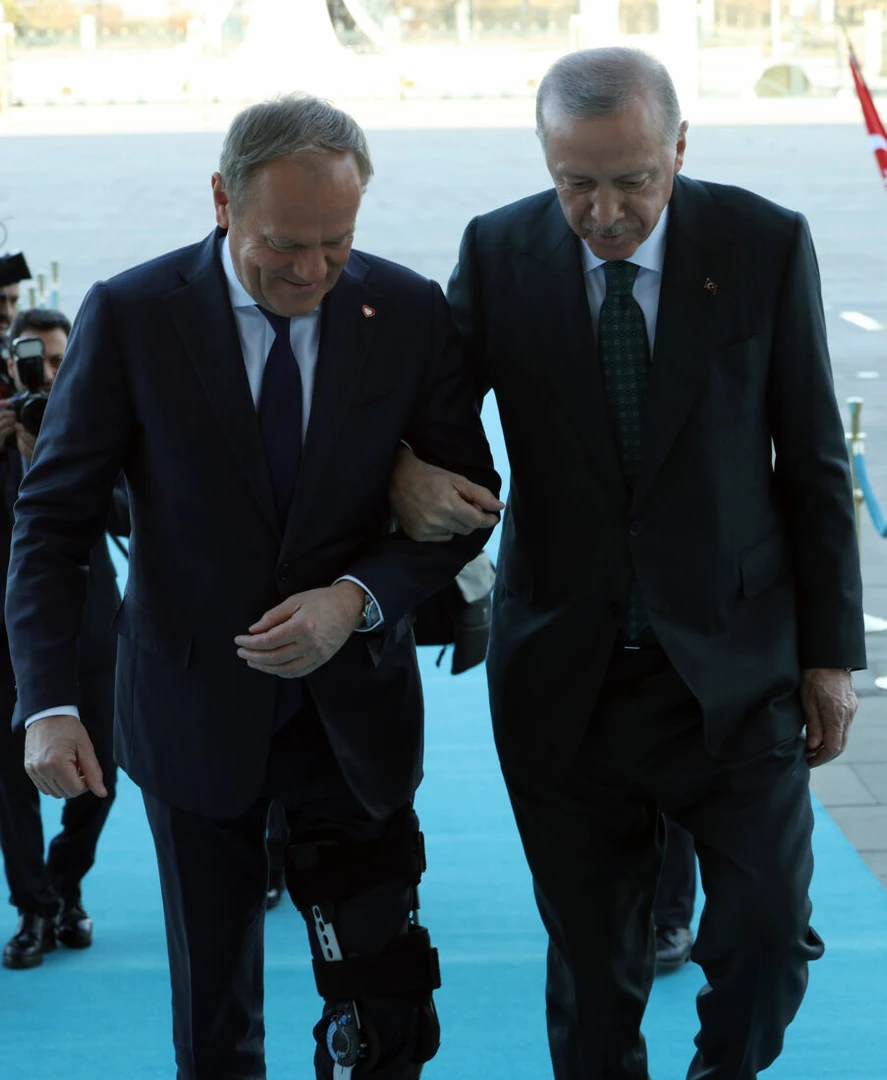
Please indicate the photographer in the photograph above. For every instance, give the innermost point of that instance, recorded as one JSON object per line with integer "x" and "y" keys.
{"x": 47, "y": 892}
{"x": 13, "y": 269}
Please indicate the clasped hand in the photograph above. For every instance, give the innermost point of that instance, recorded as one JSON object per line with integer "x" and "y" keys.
{"x": 431, "y": 504}
{"x": 829, "y": 703}
{"x": 304, "y": 632}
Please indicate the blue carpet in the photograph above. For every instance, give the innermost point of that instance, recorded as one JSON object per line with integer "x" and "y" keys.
{"x": 105, "y": 1012}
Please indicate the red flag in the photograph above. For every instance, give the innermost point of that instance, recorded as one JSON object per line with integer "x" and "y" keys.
{"x": 877, "y": 134}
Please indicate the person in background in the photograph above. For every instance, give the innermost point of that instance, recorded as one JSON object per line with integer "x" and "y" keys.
{"x": 46, "y": 890}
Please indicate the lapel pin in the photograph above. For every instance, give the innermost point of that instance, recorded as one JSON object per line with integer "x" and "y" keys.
{"x": 368, "y": 312}
{"x": 710, "y": 286}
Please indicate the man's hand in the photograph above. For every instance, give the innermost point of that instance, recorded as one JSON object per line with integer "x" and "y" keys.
{"x": 433, "y": 504}
{"x": 829, "y": 703}
{"x": 25, "y": 442}
{"x": 301, "y": 634}
{"x": 60, "y": 759}
{"x": 8, "y": 421}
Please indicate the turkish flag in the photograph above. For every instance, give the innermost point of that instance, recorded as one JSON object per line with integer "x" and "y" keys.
{"x": 877, "y": 134}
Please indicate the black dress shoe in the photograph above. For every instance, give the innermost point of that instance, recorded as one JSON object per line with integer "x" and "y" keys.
{"x": 74, "y": 927}
{"x": 275, "y": 889}
{"x": 34, "y": 937}
{"x": 673, "y": 945}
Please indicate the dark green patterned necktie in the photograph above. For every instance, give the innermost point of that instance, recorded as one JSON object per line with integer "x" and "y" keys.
{"x": 625, "y": 358}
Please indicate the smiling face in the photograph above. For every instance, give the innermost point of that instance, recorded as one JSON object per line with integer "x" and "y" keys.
{"x": 613, "y": 174}
{"x": 291, "y": 239}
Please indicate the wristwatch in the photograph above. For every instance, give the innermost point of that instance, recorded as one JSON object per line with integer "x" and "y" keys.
{"x": 371, "y": 614}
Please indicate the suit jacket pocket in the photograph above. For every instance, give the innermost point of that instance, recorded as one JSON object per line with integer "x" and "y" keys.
{"x": 154, "y": 633}
{"x": 764, "y": 564}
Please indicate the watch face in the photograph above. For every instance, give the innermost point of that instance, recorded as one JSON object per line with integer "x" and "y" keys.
{"x": 370, "y": 612}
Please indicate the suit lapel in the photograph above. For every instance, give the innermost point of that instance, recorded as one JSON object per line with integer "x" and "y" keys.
{"x": 697, "y": 285}
{"x": 551, "y": 275}
{"x": 201, "y": 311}
{"x": 346, "y": 334}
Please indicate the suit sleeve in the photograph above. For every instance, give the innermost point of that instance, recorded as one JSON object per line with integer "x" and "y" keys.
{"x": 812, "y": 470}
{"x": 444, "y": 429}
{"x": 63, "y": 510}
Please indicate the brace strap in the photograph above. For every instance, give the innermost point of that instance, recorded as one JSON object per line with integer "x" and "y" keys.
{"x": 329, "y": 871}
{"x": 408, "y": 967}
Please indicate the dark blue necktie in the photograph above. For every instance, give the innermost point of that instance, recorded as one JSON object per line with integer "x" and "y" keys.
{"x": 280, "y": 413}
{"x": 625, "y": 357}
{"x": 280, "y": 421}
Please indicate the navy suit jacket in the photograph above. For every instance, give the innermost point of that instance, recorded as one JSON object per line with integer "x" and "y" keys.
{"x": 154, "y": 383}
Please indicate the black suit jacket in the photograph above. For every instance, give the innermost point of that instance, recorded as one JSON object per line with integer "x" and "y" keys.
{"x": 747, "y": 562}
{"x": 154, "y": 382}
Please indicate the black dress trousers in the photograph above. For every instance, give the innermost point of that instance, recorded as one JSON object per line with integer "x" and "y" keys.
{"x": 594, "y": 842}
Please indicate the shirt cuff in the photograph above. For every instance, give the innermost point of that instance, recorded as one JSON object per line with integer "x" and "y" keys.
{"x": 381, "y": 618}
{"x": 62, "y": 710}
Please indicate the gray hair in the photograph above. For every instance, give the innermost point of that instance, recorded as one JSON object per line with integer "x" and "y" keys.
{"x": 604, "y": 82}
{"x": 287, "y": 127}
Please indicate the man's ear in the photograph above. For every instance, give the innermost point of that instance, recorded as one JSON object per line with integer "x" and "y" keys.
{"x": 220, "y": 201}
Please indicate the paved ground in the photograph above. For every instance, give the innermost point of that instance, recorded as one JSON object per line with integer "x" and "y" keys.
{"x": 100, "y": 202}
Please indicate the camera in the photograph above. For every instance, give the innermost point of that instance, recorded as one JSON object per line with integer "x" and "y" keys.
{"x": 29, "y": 404}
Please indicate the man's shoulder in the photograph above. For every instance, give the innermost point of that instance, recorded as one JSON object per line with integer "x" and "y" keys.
{"x": 521, "y": 212}
{"x": 386, "y": 275}
{"x": 743, "y": 209}
{"x": 162, "y": 271}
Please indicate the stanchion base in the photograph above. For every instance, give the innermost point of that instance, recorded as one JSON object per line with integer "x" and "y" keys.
{"x": 874, "y": 625}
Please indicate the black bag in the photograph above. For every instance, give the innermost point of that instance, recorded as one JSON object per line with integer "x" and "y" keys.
{"x": 459, "y": 615}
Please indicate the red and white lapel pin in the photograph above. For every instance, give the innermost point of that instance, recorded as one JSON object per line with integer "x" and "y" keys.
{"x": 710, "y": 286}
{"x": 368, "y": 312}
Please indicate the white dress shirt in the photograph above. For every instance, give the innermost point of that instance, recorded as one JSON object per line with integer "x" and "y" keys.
{"x": 650, "y": 257}
{"x": 256, "y": 338}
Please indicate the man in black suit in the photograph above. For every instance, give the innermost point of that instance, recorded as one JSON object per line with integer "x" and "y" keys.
{"x": 678, "y": 590}
{"x": 47, "y": 891}
{"x": 257, "y": 387}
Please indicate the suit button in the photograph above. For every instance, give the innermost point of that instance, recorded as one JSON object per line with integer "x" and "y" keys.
{"x": 283, "y": 571}
{"x": 636, "y": 528}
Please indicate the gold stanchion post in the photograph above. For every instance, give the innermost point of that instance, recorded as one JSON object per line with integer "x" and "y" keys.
{"x": 855, "y": 438}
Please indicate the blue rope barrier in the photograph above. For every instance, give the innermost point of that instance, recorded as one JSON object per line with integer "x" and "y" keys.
{"x": 871, "y": 499}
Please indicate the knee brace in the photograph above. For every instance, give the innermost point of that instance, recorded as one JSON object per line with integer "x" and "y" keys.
{"x": 324, "y": 872}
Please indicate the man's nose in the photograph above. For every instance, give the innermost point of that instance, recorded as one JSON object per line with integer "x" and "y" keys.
{"x": 606, "y": 206}
{"x": 310, "y": 265}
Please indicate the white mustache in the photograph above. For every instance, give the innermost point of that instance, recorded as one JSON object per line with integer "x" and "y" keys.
{"x": 619, "y": 229}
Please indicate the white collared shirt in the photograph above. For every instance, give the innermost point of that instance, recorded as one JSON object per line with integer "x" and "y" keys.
{"x": 650, "y": 257}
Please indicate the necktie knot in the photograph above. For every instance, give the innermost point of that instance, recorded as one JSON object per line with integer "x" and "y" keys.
{"x": 280, "y": 324}
{"x": 620, "y": 277}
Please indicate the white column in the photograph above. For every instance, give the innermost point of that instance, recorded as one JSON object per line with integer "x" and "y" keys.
{"x": 679, "y": 46}
{"x": 873, "y": 43}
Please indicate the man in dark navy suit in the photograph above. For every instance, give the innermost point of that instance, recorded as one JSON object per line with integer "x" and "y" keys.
{"x": 683, "y": 642}
{"x": 256, "y": 388}
{"x": 46, "y": 890}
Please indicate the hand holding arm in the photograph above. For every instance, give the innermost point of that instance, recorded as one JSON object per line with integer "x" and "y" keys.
{"x": 60, "y": 759}
{"x": 829, "y": 704}
{"x": 433, "y": 504}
